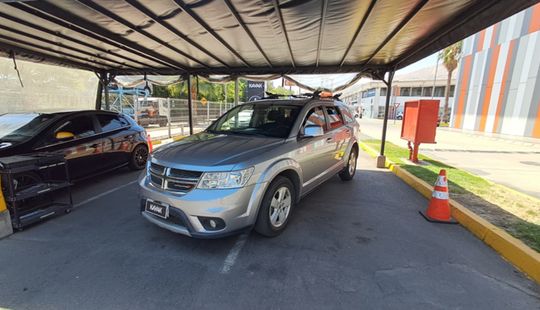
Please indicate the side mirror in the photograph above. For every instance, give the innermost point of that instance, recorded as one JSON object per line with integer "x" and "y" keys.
{"x": 64, "y": 136}
{"x": 313, "y": 131}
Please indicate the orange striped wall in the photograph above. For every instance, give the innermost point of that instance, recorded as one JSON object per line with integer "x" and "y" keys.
{"x": 489, "y": 87}
{"x": 498, "y": 87}
{"x": 467, "y": 60}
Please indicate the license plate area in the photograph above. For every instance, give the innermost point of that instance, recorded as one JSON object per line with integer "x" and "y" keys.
{"x": 157, "y": 208}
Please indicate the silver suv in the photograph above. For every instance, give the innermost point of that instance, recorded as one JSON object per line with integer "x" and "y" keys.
{"x": 249, "y": 168}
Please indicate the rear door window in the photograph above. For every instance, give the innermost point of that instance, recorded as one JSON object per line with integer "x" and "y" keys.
{"x": 334, "y": 117}
{"x": 111, "y": 122}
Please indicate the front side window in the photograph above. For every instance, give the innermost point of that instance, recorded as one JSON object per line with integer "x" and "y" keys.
{"x": 80, "y": 127}
{"x": 272, "y": 120}
{"x": 334, "y": 118}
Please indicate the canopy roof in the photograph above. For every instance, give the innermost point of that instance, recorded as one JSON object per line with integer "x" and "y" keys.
{"x": 240, "y": 37}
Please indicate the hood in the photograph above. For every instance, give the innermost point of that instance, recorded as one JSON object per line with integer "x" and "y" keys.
{"x": 209, "y": 150}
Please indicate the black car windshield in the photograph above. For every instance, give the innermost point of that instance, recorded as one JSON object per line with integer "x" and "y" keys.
{"x": 263, "y": 119}
{"x": 19, "y": 127}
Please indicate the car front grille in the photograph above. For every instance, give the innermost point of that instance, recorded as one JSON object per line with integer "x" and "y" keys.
{"x": 174, "y": 180}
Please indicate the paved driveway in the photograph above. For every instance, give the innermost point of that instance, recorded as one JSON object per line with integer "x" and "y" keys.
{"x": 351, "y": 245}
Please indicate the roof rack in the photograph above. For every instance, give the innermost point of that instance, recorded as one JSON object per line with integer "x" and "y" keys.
{"x": 318, "y": 94}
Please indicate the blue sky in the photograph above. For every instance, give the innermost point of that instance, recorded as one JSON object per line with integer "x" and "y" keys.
{"x": 424, "y": 63}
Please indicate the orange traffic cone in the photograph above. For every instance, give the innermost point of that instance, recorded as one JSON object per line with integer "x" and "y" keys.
{"x": 438, "y": 210}
{"x": 149, "y": 141}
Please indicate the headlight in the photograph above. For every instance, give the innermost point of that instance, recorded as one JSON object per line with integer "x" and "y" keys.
{"x": 222, "y": 180}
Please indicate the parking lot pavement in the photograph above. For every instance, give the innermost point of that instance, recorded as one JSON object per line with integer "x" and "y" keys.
{"x": 351, "y": 245}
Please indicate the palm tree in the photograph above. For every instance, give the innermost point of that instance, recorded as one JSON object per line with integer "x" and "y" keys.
{"x": 450, "y": 58}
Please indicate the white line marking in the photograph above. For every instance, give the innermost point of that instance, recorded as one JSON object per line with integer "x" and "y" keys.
{"x": 102, "y": 194}
{"x": 233, "y": 253}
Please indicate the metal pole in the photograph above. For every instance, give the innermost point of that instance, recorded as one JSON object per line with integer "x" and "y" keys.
{"x": 190, "y": 110}
{"x": 106, "y": 87}
{"x": 208, "y": 112}
{"x": 99, "y": 94}
{"x": 169, "y": 115}
{"x": 435, "y": 77}
{"x": 381, "y": 159}
{"x": 236, "y": 90}
{"x": 136, "y": 106}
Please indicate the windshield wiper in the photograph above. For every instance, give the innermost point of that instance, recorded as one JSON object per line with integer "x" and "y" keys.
{"x": 248, "y": 133}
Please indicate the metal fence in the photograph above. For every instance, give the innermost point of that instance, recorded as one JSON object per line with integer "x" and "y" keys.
{"x": 168, "y": 117}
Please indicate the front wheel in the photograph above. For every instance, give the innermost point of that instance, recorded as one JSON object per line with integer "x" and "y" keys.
{"x": 138, "y": 158}
{"x": 276, "y": 207}
{"x": 349, "y": 171}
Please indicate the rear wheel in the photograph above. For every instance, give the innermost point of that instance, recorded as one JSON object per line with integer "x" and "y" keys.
{"x": 138, "y": 158}
{"x": 349, "y": 171}
{"x": 276, "y": 207}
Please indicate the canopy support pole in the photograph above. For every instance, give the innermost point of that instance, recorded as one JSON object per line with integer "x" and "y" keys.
{"x": 99, "y": 95}
{"x": 190, "y": 108}
{"x": 236, "y": 89}
{"x": 381, "y": 159}
{"x": 105, "y": 78}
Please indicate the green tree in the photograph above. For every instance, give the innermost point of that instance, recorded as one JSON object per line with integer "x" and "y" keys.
{"x": 278, "y": 90}
{"x": 450, "y": 58}
{"x": 211, "y": 91}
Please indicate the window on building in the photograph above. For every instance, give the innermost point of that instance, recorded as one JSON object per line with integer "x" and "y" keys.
{"x": 383, "y": 91}
{"x": 416, "y": 91}
{"x": 439, "y": 91}
{"x": 369, "y": 93}
{"x": 426, "y": 91}
{"x": 452, "y": 88}
{"x": 405, "y": 91}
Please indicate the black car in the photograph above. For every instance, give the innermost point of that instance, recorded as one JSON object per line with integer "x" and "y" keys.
{"x": 92, "y": 141}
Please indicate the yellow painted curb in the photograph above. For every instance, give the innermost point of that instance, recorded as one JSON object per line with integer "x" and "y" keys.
{"x": 160, "y": 141}
{"x": 512, "y": 249}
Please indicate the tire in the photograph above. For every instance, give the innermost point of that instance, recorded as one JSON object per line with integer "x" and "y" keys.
{"x": 138, "y": 157}
{"x": 268, "y": 225}
{"x": 349, "y": 171}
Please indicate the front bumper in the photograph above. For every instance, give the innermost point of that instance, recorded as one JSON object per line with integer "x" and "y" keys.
{"x": 236, "y": 207}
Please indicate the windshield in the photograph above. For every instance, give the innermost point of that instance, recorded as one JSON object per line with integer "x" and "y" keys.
{"x": 19, "y": 127}
{"x": 271, "y": 120}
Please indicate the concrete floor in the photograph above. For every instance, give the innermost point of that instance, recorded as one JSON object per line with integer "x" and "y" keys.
{"x": 510, "y": 161}
{"x": 348, "y": 246}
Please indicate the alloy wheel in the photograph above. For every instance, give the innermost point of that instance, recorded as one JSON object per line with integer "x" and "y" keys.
{"x": 280, "y": 206}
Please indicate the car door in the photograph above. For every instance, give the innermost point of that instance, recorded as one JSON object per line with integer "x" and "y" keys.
{"x": 312, "y": 151}
{"x": 340, "y": 134}
{"x": 82, "y": 150}
{"x": 116, "y": 139}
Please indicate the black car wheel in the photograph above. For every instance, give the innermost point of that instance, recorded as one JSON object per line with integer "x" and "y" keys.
{"x": 349, "y": 171}
{"x": 276, "y": 207}
{"x": 139, "y": 156}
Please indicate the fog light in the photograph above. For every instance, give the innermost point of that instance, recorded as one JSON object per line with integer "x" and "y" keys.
{"x": 212, "y": 223}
